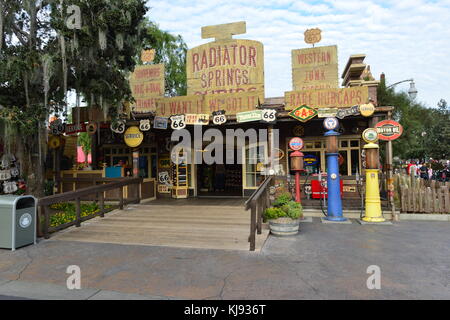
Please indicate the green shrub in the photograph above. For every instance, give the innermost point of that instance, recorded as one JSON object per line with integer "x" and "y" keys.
{"x": 273, "y": 213}
{"x": 293, "y": 210}
{"x": 282, "y": 199}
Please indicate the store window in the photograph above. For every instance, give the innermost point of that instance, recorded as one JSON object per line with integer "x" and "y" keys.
{"x": 255, "y": 157}
{"x": 349, "y": 151}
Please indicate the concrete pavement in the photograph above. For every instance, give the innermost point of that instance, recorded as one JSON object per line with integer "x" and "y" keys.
{"x": 324, "y": 261}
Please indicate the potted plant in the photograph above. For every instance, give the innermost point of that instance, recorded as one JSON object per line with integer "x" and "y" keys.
{"x": 284, "y": 217}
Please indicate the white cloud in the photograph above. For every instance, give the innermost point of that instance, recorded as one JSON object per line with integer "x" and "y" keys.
{"x": 404, "y": 39}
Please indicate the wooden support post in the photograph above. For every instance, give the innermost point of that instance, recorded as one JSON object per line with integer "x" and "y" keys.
{"x": 121, "y": 198}
{"x": 102, "y": 204}
{"x": 259, "y": 221}
{"x": 46, "y": 222}
{"x": 253, "y": 227}
{"x": 78, "y": 212}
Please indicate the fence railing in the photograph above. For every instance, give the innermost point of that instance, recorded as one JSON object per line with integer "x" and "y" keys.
{"x": 258, "y": 202}
{"x": 97, "y": 193}
{"x": 419, "y": 195}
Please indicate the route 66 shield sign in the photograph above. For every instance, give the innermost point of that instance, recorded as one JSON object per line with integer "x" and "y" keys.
{"x": 177, "y": 122}
{"x": 219, "y": 117}
{"x": 118, "y": 126}
{"x": 269, "y": 115}
{"x": 144, "y": 125}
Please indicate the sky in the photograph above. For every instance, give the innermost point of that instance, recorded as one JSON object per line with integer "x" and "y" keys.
{"x": 404, "y": 38}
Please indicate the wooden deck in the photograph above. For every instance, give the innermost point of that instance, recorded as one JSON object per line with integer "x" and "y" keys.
{"x": 202, "y": 223}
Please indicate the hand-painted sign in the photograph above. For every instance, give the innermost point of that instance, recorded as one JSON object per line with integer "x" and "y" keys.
{"x": 315, "y": 68}
{"x": 327, "y": 112}
{"x": 144, "y": 125}
{"x": 249, "y": 116}
{"x": 180, "y": 105}
{"x": 178, "y": 122}
{"x": 147, "y": 84}
{"x": 74, "y": 128}
{"x": 313, "y": 36}
{"x": 342, "y": 113}
{"x": 389, "y": 130}
{"x": 197, "y": 119}
{"x": 219, "y": 117}
{"x": 133, "y": 137}
{"x": 310, "y": 160}
{"x": 303, "y": 113}
{"x": 148, "y": 55}
{"x": 340, "y": 98}
{"x": 160, "y": 123}
{"x": 162, "y": 188}
{"x": 269, "y": 115}
{"x": 296, "y": 144}
{"x": 233, "y": 103}
{"x": 226, "y": 65}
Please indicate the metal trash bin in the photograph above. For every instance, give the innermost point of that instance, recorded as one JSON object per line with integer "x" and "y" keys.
{"x": 17, "y": 221}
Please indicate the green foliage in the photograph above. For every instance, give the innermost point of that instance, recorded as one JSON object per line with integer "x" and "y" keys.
{"x": 293, "y": 210}
{"x": 85, "y": 141}
{"x": 170, "y": 50}
{"x": 417, "y": 119}
{"x": 274, "y": 213}
{"x": 67, "y": 212}
{"x": 282, "y": 199}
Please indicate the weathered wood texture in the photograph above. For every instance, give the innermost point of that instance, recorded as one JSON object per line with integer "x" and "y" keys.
{"x": 315, "y": 68}
{"x": 186, "y": 226}
{"x": 422, "y": 196}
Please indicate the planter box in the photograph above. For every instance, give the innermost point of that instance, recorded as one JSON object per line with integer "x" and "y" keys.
{"x": 284, "y": 226}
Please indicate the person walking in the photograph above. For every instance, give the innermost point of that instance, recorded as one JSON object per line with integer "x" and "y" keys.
{"x": 423, "y": 171}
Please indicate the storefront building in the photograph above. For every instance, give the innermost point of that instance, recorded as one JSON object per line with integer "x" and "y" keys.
{"x": 226, "y": 91}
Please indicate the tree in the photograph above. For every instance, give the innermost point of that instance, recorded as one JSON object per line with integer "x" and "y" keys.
{"x": 84, "y": 140}
{"x": 170, "y": 50}
{"x": 423, "y": 133}
{"x": 41, "y": 58}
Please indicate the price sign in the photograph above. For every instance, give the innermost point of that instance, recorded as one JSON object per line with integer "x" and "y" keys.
{"x": 177, "y": 122}
{"x": 269, "y": 115}
{"x": 118, "y": 126}
{"x": 144, "y": 125}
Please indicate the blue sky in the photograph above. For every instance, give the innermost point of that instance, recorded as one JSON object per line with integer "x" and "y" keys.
{"x": 403, "y": 38}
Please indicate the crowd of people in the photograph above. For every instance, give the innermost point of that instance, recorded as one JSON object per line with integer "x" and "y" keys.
{"x": 425, "y": 170}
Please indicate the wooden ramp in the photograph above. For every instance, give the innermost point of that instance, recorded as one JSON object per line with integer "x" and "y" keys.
{"x": 186, "y": 226}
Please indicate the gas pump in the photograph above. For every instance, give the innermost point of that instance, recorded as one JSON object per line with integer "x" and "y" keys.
{"x": 334, "y": 209}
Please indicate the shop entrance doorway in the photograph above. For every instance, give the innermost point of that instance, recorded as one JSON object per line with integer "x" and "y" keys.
{"x": 220, "y": 180}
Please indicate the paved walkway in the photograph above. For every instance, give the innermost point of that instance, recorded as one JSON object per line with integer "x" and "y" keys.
{"x": 325, "y": 261}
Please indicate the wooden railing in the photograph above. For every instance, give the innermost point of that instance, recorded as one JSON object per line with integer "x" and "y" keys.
{"x": 258, "y": 202}
{"x": 96, "y": 192}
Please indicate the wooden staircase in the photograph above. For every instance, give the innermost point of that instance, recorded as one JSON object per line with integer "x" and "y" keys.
{"x": 187, "y": 226}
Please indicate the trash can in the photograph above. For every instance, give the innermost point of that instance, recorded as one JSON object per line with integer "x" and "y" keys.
{"x": 17, "y": 221}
